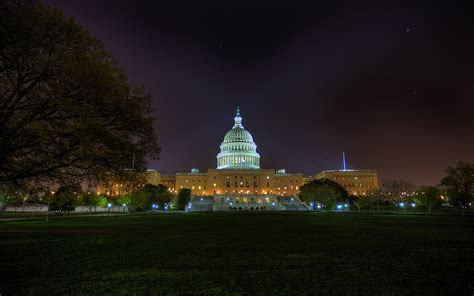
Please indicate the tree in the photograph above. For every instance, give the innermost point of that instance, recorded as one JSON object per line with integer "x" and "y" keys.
{"x": 67, "y": 111}
{"x": 398, "y": 191}
{"x": 89, "y": 199}
{"x": 358, "y": 202}
{"x": 324, "y": 191}
{"x": 157, "y": 194}
{"x": 65, "y": 198}
{"x": 376, "y": 197}
{"x": 184, "y": 196}
{"x": 8, "y": 195}
{"x": 135, "y": 200}
{"x": 459, "y": 184}
{"x": 427, "y": 197}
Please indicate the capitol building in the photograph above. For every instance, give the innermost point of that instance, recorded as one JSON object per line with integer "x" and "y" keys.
{"x": 238, "y": 182}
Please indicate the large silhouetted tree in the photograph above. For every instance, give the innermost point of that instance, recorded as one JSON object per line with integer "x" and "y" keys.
{"x": 67, "y": 110}
{"x": 184, "y": 196}
{"x": 459, "y": 184}
{"x": 325, "y": 191}
{"x": 428, "y": 197}
{"x": 157, "y": 194}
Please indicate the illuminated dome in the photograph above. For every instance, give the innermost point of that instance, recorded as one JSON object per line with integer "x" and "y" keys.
{"x": 238, "y": 150}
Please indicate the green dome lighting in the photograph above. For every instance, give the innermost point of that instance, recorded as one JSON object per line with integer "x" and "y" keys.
{"x": 238, "y": 150}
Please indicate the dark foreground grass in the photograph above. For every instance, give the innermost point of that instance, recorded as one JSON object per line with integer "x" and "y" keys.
{"x": 239, "y": 253}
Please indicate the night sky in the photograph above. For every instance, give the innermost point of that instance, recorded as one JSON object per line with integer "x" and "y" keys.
{"x": 389, "y": 82}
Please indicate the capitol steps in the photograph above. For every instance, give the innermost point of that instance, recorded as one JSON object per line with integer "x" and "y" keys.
{"x": 292, "y": 203}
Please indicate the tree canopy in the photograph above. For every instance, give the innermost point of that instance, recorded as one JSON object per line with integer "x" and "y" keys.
{"x": 67, "y": 110}
{"x": 325, "y": 191}
{"x": 459, "y": 183}
{"x": 157, "y": 194}
{"x": 398, "y": 190}
{"x": 64, "y": 200}
{"x": 428, "y": 197}
{"x": 184, "y": 196}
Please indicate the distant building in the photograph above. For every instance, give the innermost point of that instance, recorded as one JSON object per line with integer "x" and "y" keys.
{"x": 356, "y": 182}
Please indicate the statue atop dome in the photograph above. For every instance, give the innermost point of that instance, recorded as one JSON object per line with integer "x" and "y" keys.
{"x": 238, "y": 119}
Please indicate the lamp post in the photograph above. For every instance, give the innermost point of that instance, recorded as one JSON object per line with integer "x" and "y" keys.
{"x": 108, "y": 208}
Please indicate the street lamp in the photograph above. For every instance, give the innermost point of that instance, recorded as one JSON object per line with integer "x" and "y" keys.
{"x": 108, "y": 208}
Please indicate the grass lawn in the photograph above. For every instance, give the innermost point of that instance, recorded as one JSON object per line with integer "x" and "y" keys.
{"x": 239, "y": 253}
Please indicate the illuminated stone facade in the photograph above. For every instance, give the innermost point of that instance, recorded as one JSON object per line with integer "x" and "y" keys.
{"x": 241, "y": 182}
{"x": 356, "y": 182}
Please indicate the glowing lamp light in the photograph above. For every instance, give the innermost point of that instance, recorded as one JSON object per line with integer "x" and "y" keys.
{"x": 124, "y": 205}
{"x": 318, "y": 206}
{"x": 402, "y": 204}
{"x": 202, "y": 199}
{"x": 292, "y": 199}
{"x": 273, "y": 204}
{"x": 339, "y": 207}
{"x": 413, "y": 205}
{"x": 231, "y": 203}
{"x": 345, "y": 205}
{"x": 109, "y": 205}
{"x": 311, "y": 204}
